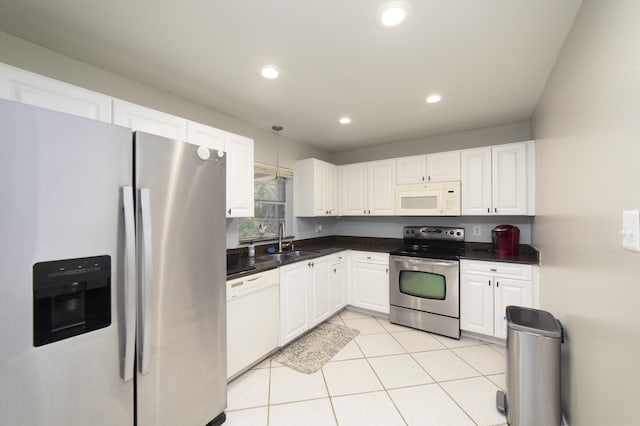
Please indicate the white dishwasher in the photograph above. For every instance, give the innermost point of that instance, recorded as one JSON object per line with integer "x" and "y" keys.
{"x": 253, "y": 305}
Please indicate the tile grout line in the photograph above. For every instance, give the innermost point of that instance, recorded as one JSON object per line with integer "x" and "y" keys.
{"x": 386, "y": 391}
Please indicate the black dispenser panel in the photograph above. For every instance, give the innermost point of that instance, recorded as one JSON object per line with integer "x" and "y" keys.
{"x": 70, "y": 297}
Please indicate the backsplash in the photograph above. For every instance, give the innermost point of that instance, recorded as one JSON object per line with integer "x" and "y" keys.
{"x": 391, "y": 227}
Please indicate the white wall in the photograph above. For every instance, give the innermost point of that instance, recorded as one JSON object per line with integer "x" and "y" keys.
{"x": 587, "y": 131}
{"x": 515, "y": 132}
{"x": 22, "y": 54}
{"x": 391, "y": 227}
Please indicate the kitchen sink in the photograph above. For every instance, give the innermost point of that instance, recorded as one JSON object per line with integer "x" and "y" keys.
{"x": 286, "y": 255}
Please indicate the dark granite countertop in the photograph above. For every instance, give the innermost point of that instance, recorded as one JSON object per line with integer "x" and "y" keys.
{"x": 328, "y": 245}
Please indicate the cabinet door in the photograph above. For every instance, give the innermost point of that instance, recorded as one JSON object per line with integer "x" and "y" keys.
{"x": 34, "y": 89}
{"x": 321, "y": 291}
{"x": 293, "y": 301}
{"x": 370, "y": 286}
{"x": 509, "y": 165}
{"x": 381, "y": 182}
{"x": 332, "y": 189}
{"x": 148, "y": 120}
{"x": 239, "y": 175}
{"x": 443, "y": 166}
{"x": 510, "y": 292}
{"x": 476, "y": 182}
{"x": 354, "y": 189}
{"x": 476, "y": 304}
{"x": 320, "y": 188}
{"x": 203, "y": 135}
{"x": 338, "y": 280}
{"x": 411, "y": 169}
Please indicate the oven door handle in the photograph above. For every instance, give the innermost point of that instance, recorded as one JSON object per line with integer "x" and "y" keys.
{"x": 421, "y": 260}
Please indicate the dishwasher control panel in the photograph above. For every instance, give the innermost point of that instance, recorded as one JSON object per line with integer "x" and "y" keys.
{"x": 254, "y": 282}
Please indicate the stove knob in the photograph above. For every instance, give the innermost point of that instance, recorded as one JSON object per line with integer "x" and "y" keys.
{"x": 458, "y": 233}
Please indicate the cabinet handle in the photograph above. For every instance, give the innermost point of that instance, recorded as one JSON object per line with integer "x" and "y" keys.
{"x": 334, "y": 270}
{"x": 386, "y": 270}
{"x": 488, "y": 210}
{"x": 495, "y": 209}
{"x": 313, "y": 265}
{"x": 229, "y": 211}
{"x": 489, "y": 283}
{"x": 429, "y": 178}
{"x": 309, "y": 264}
{"x": 369, "y": 257}
{"x": 497, "y": 283}
{"x": 364, "y": 211}
{"x": 493, "y": 270}
{"x": 423, "y": 178}
{"x": 369, "y": 212}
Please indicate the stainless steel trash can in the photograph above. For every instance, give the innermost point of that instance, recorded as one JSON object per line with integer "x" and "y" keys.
{"x": 533, "y": 368}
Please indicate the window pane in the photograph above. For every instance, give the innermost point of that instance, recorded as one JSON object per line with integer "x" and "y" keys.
{"x": 269, "y": 209}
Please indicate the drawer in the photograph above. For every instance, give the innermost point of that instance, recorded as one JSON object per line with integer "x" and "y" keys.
{"x": 370, "y": 257}
{"x": 517, "y": 271}
{"x": 337, "y": 257}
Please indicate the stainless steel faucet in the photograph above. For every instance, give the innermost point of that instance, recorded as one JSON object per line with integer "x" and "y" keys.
{"x": 281, "y": 235}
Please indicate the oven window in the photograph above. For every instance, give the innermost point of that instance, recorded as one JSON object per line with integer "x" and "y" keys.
{"x": 423, "y": 284}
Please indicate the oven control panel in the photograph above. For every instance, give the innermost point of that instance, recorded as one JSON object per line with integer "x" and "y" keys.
{"x": 446, "y": 233}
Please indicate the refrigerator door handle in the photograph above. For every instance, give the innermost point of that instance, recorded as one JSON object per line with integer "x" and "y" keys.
{"x": 129, "y": 283}
{"x": 147, "y": 265}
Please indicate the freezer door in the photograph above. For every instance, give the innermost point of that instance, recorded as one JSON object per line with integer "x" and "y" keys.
{"x": 62, "y": 330}
{"x": 181, "y": 230}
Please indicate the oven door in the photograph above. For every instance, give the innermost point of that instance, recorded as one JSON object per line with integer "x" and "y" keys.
{"x": 428, "y": 285}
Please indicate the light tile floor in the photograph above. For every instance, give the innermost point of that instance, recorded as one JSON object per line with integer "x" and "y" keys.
{"x": 388, "y": 375}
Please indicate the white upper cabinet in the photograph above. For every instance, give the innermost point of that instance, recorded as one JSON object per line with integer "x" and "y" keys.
{"x": 315, "y": 188}
{"x": 439, "y": 167}
{"x": 411, "y": 169}
{"x": 33, "y": 89}
{"x": 149, "y": 120}
{"x": 354, "y": 189}
{"x": 476, "y": 181}
{"x": 498, "y": 180}
{"x": 368, "y": 189}
{"x": 381, "y": 188}
{"x": 240, "y": 168}
{"x": 240, "y": 171}
{"x": 203, "y": 135}
{"x": 509, "y": 169}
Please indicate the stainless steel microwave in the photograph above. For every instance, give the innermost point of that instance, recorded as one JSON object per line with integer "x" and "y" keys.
{"x": 428, "y": 199}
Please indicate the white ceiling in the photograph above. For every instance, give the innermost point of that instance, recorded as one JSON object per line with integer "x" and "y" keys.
{"x": 489, "y": 59}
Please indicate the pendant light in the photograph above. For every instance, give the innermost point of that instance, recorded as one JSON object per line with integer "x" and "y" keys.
{"x": 276, "y": 128}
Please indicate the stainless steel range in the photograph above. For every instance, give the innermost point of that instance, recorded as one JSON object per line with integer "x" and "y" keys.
{"x": 424, "y": 279}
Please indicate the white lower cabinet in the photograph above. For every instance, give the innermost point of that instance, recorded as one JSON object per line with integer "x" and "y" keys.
{"x": 294, "y": 307}
{"x": 310, "y": 292}
{"x": 487, "y": 288}
{"x": 338, "y": 280}
{"x": 370, "y": 281}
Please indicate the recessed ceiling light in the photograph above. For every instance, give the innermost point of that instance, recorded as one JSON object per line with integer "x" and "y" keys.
{"x": 345, "y": 120}
{"x": 432, "y": 99}
{"x": 270, "y": 72}
{"x": 393, "y": 14}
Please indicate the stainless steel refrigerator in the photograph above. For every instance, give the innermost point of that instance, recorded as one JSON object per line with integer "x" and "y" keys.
{"x": 112, "y": 291}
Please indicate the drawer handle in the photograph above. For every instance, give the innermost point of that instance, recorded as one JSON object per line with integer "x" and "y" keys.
{"x": 369, "y": 257}
{"x": 493, "y": 270}
{"x": 254, "y": 279}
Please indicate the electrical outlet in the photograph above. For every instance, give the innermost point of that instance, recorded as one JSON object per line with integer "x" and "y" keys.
{"x": 477, "y": 230}
{"x": 631, "y": 230}
{"x": 319, "y": 227}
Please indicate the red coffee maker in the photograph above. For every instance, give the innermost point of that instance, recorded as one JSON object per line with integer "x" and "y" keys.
{"x": 506, "y": 239}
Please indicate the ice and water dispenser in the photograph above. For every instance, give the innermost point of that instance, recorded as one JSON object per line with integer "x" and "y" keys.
{"x": 70, "y": 297}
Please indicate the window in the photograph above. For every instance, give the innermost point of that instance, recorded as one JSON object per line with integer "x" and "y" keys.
{"x": 270, "y": 206}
